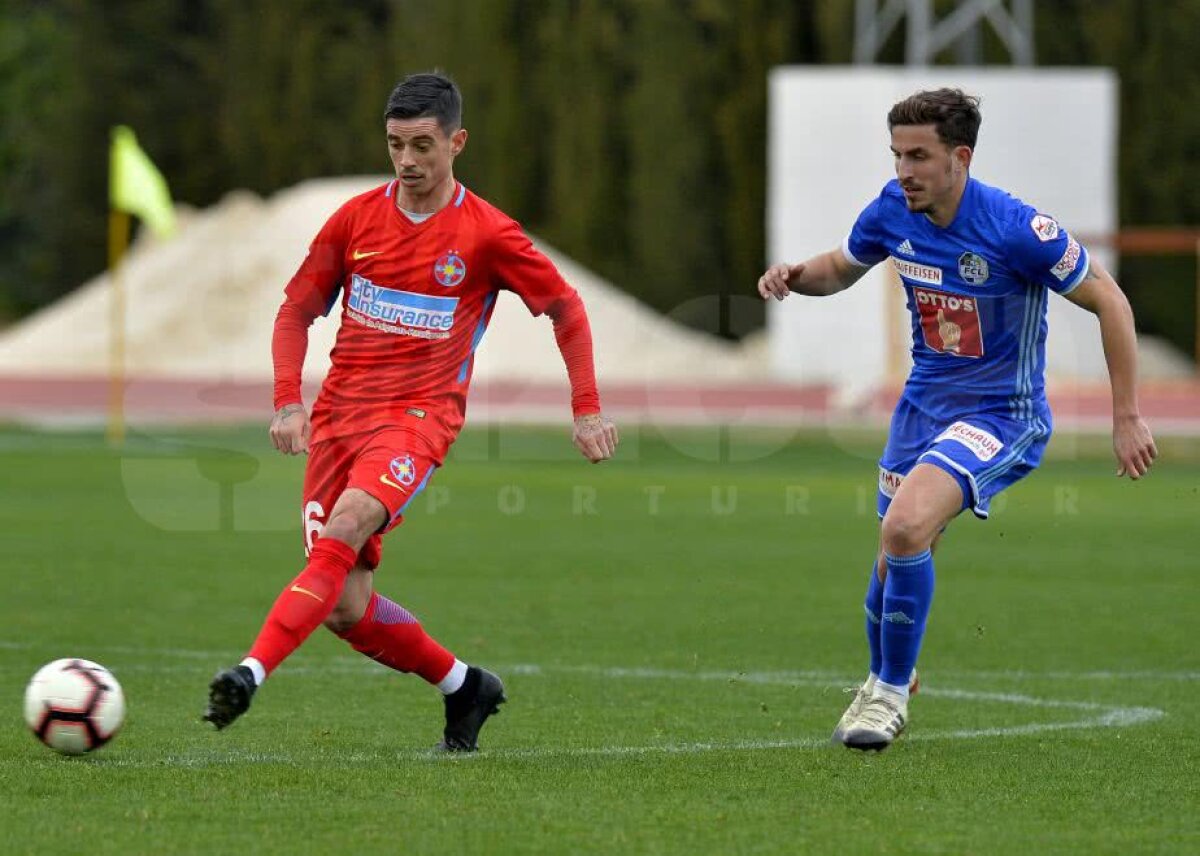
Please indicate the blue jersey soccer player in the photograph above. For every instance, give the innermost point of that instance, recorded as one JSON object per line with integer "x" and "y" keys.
{"x": 977, "y": 266}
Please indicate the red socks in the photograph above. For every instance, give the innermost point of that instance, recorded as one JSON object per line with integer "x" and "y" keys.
{"x": 387, "y": 631}
{"x": 389, "y": 634}
{"x": 305, "y": 603}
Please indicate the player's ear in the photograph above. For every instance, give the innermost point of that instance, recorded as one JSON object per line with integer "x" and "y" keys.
{"x": 963, "y": 155}
{"x": 457, "y": 140}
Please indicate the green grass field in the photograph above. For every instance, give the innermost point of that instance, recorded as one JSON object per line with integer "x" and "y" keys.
{"x": 674, "y": 660}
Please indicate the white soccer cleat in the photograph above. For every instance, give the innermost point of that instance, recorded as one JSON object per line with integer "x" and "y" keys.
{"x": 881, "y": 720}
{"x": 861, "y": 693}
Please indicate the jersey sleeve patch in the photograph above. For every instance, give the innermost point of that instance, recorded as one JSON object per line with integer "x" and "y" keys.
{"x": 1078, "y": 270}
{"x": 1045, "y": 253}
{"x": 1046, "y": 228}
{"x": 1066, "y": 265}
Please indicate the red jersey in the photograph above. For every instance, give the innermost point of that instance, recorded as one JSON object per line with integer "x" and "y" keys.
{"x": 416, "y": 300}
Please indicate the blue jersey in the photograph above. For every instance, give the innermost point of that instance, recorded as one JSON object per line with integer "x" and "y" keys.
{"x": 976, "y": 291}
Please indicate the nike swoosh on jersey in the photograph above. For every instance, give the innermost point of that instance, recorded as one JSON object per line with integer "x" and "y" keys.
{"x": 359, "y": 254}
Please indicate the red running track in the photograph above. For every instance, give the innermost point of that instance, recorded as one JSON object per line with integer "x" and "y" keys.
{"x": 1170, "y": 408}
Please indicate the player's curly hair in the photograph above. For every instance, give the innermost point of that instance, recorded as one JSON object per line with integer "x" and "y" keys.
{"x": 954, "y": 113}
{"x": 431, "y": 94}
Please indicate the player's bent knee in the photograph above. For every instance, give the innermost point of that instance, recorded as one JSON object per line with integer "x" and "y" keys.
{"x": 342, "y": 620}
{"x": 348, "y": 529}
{"x": 906, "y": 534}
{"x": 353, "y": 603}
{"x": 355, "y": 518}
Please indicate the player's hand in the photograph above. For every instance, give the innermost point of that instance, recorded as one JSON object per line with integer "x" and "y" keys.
{"x": 776, "y": 281}
{"x": 290, "y": 429}
{"x": 595, "y": 437}
{"x": 1134, "y": 446}
{"x": 950, "y": 332}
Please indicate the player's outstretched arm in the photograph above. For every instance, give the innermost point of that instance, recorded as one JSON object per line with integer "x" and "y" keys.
{"x": 1133, "y": 444}
{"x": 595, "y": 437}
{"x": 290, "y": 428}
{"x": 820, "y": 276}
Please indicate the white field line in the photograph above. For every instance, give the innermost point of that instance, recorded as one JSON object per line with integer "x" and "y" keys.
{"x": 1113, "y": 717}
{"x": 1097, "y": 716}
{"x": 149, "y": 659}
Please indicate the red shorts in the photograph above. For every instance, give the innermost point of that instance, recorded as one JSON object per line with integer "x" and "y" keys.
{"x": 391, "y": 465}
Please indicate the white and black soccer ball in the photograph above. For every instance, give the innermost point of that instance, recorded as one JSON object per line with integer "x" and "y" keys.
{"x": 74, "y": 706}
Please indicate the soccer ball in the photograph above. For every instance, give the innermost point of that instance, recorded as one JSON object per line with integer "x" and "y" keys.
{"x": 74, "y": 706}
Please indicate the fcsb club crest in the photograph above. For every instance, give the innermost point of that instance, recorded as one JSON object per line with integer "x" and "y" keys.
{"x": 449, "y": 270}
{"x": 404, "y": 471}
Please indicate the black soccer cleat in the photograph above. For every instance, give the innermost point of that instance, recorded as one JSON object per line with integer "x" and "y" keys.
{"x": 468, "y": 707}
{"x": 229, "y": 696}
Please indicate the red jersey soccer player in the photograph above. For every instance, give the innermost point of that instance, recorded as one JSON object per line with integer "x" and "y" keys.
{"x": 418, "y": 263}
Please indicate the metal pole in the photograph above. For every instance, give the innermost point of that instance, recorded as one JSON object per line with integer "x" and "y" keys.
{"x": 1196, "y": 345}
{"x": 118, "y": 240}
{"x": 920, "y": 19}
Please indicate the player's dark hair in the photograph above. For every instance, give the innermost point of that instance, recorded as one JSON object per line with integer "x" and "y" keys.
{"x": 954, "y": 113}
{"x": 426, "y": 95}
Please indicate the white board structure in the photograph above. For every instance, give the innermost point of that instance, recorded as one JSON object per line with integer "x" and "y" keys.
{"x": 1048, "y": 136}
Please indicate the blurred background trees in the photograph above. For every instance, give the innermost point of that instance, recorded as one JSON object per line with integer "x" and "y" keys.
{"x": 629, "y": 133}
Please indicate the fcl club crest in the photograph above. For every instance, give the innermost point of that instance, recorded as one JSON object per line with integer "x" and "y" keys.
{"x": 449, "y": 270}
{"x": 973, "y": 268}
{"x": 404, "y": 471}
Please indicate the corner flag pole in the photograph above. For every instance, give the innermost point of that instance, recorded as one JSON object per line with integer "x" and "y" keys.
{"x": 1196, "y": 345}
{"x": 135, "y": 186}
{"x": 118, "y": 240}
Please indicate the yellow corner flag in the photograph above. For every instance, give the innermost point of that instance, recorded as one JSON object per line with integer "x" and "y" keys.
{"x": 136, "y": 186}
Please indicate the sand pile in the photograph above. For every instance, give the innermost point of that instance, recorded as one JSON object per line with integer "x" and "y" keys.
{"x": 201, "y": 305}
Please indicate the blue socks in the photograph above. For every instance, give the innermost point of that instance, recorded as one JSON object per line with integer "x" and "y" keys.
{"x": 873, "y": 606}
{"x": 907, "y": 595}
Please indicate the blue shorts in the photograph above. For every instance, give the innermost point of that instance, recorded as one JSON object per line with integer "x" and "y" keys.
{"x": 985, "y": 451}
